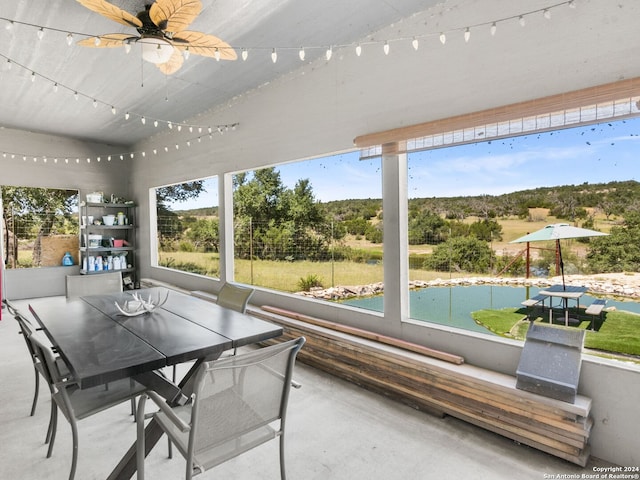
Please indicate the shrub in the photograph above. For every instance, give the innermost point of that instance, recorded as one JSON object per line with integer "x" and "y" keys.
{"x": 310, "y": 281}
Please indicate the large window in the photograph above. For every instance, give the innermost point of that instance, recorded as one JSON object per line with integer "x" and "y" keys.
{"x": 187, "y": 227}
{"x": 468, "y": 202}
{"x": 310, "y": 226}
{"x": 39, "y": 226}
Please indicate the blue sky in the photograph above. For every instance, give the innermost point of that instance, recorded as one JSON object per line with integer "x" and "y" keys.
{"x": 594, "y": 154}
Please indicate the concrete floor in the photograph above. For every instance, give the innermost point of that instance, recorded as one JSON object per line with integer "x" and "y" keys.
{"x": 335, "y": 431}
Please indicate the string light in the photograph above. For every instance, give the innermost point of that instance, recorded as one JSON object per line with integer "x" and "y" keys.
{"x": 301, "y": 54}
{"x": 443, "y": 38}
{"x": 385, "y": 48}
{"x": 220, "y": 129}
{"x": 521, "y": 18}
{"x": 216, "y": 54}
{"x": 467, "y": 35}
{"x": 274, "y": 56}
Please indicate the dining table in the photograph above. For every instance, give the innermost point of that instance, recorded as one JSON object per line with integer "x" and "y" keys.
{"x": 100, "y": 343}
{"x": 564, "y": 293}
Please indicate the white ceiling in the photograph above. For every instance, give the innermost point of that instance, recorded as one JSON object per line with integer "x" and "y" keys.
{"x": 595, "y": 43}
{"x": 113, "y": 78}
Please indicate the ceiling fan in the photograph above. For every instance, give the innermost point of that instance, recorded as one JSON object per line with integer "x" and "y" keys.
{"x": 162, "y": 33}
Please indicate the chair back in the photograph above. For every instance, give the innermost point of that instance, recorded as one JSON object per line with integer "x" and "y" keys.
{"x": 234, "y": 297}
{"x": 26, "y": 330}
{"x": 236, "y": 399}
{"x": 81, "y": 285}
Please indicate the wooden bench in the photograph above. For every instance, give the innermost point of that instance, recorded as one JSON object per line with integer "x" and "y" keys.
{"x": 482, "y": 397}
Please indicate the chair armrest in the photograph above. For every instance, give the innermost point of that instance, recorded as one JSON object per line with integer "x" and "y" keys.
{"x": 168, "y": 411}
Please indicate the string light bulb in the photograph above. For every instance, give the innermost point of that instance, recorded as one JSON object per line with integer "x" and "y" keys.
{"x": 186, "y": 53}
{"x": 547, "y": 14}
{"x": 301, "y": 54}
{"x": 143, "y": 120}
{"x": 415, "y": 43}
{"x": 216, "y": 54}
{"x": 493, "y": 29}
{"x": 385, "y": 48}
{"x": 127, "y": 47}
{"x": 244, "y": 54}
{"x": 95, "y": 104}
{"x": 329, "y": 53}
{"x": 522, "y": 21}
{"x": 113, "y": 110}
{"x": 274, "y": 56}
{"x": 96, "y": 41}
{"x": 69, "y": 39}
{"x": 40, "y": 33}
{"x": 443, "y": 38}
{"x": 358, "y": 50}
{"x": 55, "y": 88}
{"x": 33, "y": 76}
{"x": 467, "y": 35}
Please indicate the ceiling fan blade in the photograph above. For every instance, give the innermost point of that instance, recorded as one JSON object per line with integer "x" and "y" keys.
{"x": 173, "y": 65}
{"x": 112, "y": 12}
{"x": 109, "y": 40}
{"x": 174, "y": 15}
{"x": 203, "y": 44}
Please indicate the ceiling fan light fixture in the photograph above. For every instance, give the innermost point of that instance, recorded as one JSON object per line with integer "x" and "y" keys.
{"x": 156, "y": 50}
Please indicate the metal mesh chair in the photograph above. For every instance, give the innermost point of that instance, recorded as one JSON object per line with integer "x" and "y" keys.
{"x": 239, "y": 403}
{"x": 74, "y": 403}
{"x": 81, "y": 285}
{"x": 234, "y": 297}
{"x": 26, "y": 330}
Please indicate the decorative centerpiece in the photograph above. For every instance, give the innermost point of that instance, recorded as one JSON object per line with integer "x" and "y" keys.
{"x": 139, "y": 305}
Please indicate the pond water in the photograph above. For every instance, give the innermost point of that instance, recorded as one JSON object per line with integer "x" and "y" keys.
{"x": 453, "y": 305}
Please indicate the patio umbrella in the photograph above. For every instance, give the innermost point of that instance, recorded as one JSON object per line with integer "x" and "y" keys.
{"x": 558, "y": 231}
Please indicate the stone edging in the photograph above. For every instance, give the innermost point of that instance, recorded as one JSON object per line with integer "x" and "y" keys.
{"x": 594, "y": 284}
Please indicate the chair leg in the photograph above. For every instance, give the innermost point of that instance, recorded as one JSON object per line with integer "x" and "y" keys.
{"x": 283, "y": 475}
{"x": 74, "y": 457}
{"x": 140, "y": 443}
{"x": 51, "y": 419}
{"x": 54, "y": 427}
{"x": 36, "y": 393}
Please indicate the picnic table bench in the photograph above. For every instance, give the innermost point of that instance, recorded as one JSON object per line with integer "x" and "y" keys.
{"x": 596, "y": 309}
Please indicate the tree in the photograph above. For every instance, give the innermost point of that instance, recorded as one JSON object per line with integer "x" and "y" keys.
{"x": 464, "y": 254}
{"x": 620, "y": 250}
{"x": 280, "y": 223}
{"x": 169, "y": 225}
{"x": 46, "y": 208}
{"x": 204, "y": 233}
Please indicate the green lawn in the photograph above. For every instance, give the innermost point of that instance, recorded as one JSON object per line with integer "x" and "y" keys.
{"x": 618, "y": 333}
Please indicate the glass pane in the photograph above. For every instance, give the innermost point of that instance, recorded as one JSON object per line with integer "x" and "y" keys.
{"x": 187, "y": 227}
{"x": 310, "y": 226}
{"x": 40, "y": 226}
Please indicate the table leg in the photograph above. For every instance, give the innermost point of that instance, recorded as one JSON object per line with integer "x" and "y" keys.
{"x": 126, "y": 469}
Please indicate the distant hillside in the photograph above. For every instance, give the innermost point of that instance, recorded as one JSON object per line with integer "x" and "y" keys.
{"x": 566, "y": 201}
